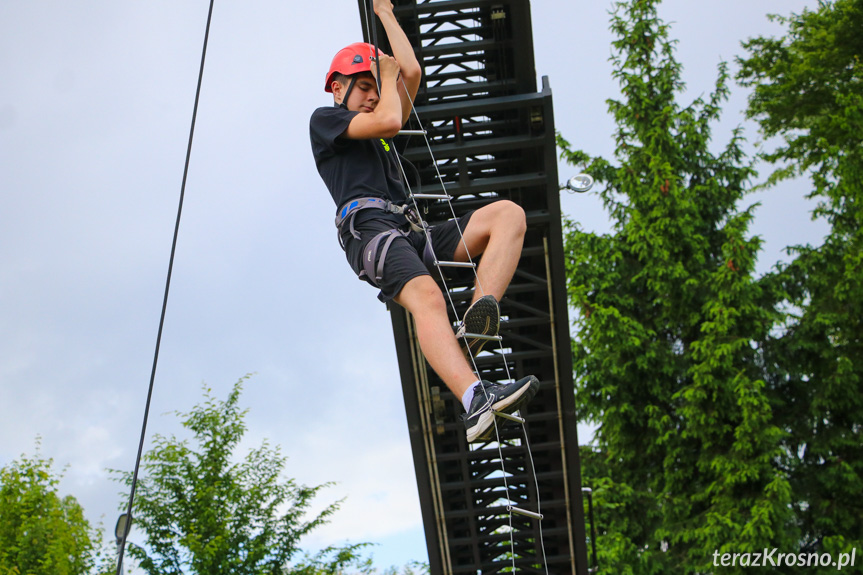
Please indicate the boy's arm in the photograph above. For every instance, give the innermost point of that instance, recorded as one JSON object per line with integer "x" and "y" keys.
{"x": 386, "y": 119}
{"x": 403, "y": 52}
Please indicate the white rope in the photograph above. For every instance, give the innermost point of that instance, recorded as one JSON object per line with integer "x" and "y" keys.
{"x": 478, "y": 287}
{"x": 502, "y": 350}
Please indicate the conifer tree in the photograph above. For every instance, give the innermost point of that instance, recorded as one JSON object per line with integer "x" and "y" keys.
{"x": 808, "y": 95}
{"x": 668, "y": 317}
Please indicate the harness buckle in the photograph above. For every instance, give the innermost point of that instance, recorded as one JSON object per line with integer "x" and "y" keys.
{"x": 376, "y": 249}
{"x": 413, "y": 218}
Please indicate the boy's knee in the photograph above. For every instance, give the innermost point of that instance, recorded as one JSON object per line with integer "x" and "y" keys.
{"x": 512, "y": 215}
{"x": 422, "y": 294}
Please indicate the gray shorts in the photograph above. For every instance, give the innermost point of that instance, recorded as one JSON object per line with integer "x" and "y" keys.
{"x": 404, "y": 259}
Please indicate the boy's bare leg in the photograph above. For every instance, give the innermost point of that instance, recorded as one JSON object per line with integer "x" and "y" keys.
{"x": 497, "y": 232}
{"x": 423, "y": 298}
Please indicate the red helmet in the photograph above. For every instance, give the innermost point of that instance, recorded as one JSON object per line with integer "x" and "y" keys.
{"x": 350, "y": 60}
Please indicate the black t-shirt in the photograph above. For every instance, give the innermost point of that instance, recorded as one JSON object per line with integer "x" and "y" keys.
{"x": 353, "y": 169}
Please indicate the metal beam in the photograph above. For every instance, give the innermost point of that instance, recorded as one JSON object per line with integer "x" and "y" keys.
{"x": 491, "y": 136}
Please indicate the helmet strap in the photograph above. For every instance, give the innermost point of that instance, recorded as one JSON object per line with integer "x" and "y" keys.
{"x": 344, "y": 103}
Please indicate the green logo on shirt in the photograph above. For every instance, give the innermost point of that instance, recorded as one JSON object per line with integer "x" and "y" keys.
{"x": 386, "y": 146}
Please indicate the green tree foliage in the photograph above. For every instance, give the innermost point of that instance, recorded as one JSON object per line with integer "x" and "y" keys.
{"x": 808, "y": 95}
{"x": 667, "y": 312}
{"x": 41, "y": 533}
{"x": 204, "y": 513}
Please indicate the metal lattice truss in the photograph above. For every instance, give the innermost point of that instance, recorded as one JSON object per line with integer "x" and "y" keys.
{"x": 490, "y": 136}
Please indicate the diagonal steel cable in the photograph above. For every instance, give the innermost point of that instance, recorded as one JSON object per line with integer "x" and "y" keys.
{"x": 124, "y": 530}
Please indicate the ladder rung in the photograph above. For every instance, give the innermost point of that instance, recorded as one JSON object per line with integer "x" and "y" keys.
{"x": 455, "y": 264}
{"x": 431, "y": 196}
{"x": 521, "y": 511}
{"x": 510, "y": 416}
{"x": 480, "y": 336}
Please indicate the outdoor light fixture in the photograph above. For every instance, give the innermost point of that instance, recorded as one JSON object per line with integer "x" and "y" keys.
{"x": 579, "y": 183}
{"x": 121, "y": 531}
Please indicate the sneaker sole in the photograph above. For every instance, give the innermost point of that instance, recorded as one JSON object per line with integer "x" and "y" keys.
{"x": 519, "y": 398}
{"x": 485, "y": 424}
{"x": 484, "y": 320}
{"x": 480, "y": 431}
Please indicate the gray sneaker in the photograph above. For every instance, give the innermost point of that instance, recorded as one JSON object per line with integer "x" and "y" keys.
{"x": 490, "y": 397}
{"x": 481, "y": 318}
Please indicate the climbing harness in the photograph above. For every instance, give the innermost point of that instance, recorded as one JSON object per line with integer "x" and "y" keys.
{"x": 348, "y": 212}
{"x": 434, "y": 263}
{"x": 382, "y": 240}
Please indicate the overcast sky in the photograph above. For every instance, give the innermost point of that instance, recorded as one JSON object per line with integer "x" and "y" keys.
{"x": 95, "y": 103}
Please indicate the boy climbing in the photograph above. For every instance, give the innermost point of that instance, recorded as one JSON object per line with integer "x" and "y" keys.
{"x": 358, "y": 165}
